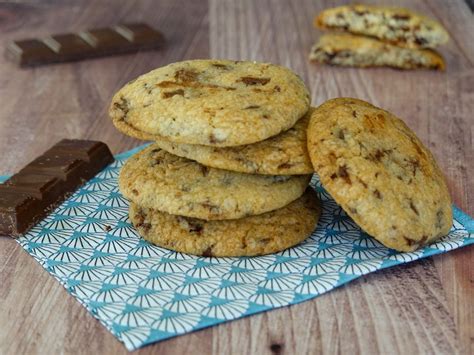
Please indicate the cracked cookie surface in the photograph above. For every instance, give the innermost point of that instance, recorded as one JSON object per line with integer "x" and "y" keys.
{"x": 398, "y": 26}
{"x": 380, "y": 173}
{"x": 266, "y": 233}
{"x": 360, "y": 51}
{"x": 211, "y": 102}
{"x": 154, "y": 178}
{"x": 284, "y": 154}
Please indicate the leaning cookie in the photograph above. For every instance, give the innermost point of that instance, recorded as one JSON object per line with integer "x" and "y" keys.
{"x": 359, "y": 51}
{"x": 267, "y": 233}
{"x": 397, "y": 26}
{"x": 284, "y": 154}
{"x": 380, "y": 173}
{"x": 156, "y": 179}
{"x": 218, "y": 103}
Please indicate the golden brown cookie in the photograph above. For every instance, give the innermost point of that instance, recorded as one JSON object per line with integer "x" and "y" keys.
{"x": 211, "y": 102}
{"x": 156, "y": 179}
{"x": 380, "y": 173}
{"x": 397, "y": 26}
{"x": 267, "y": 233}
{"x": 359, "y": 51}
{"x": 284, "y": 154}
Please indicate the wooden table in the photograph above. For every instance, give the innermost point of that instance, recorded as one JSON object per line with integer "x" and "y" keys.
{"x": 423, "y": 307}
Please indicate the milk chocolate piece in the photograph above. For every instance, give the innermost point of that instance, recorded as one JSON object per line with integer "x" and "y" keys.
{"x": 28, "y": 196}
{"x": 87, "y": 44}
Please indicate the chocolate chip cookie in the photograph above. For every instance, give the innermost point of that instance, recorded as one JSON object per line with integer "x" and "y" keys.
{"x": 266, "y": 233}
{"x": 360, "y": 51}
{"x": 284, "y": 154}
{"x": 380, "y": 173}
{"x": 154, "y": 178}
{"x": 218, "y": 103}
{"x": 394, "y": 25}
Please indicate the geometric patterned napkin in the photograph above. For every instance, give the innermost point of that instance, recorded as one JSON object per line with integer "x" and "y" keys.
{"x": 143, "y": 293}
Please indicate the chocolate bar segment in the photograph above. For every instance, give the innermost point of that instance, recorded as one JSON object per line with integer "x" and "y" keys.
{"x": 137, "y": 33}
{"x": 36, "y": 186}
{"x": 93, "y": 43}
{"x": 28, "y": 196}
{"x": 30, "y": 52}
{"x": 90, "y": 151}
{"x": 106, "y": 39}
{"x": 69, "y": 46}
{"x": 63, "y": 167}
{"x": 17, "y": 212}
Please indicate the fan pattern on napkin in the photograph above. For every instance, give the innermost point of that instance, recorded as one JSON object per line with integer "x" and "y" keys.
{"x": 143, "y": 293}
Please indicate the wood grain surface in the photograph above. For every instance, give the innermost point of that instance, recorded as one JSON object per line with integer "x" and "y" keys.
{"x": 423, "y": 307}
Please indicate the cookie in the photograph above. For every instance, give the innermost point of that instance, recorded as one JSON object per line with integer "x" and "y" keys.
{"x": 380, "y": 173}
{"x": 124, "y": 127}
{"x": 156, "y": 179}
{"x": 359, "y": 51}
{"x": 211, "y": 102}
{"x": 284, "y": 154}
{"x": 394, "y": 25}
{"x": 267, "y": 233}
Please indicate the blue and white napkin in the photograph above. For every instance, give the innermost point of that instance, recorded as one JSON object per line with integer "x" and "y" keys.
{"x": 143, "y": 293}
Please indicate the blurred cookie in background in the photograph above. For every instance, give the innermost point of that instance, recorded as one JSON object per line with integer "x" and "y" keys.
{"x": 398, "y": 26}
{"x": 360, "y": 51}
{"x": 377, "y": 36}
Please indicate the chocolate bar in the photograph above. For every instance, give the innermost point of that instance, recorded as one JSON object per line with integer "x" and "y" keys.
{"x": 83, "y": 45}
{"x": 28, "y": 196}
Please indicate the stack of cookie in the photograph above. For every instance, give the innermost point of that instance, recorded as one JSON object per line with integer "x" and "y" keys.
{"x": 371, "y": 36}
{"x": 228, "y": 172}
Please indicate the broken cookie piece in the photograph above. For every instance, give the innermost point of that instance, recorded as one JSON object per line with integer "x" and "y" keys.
{"x": 397, "y": 26}
{"x": 358, "y": 51}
